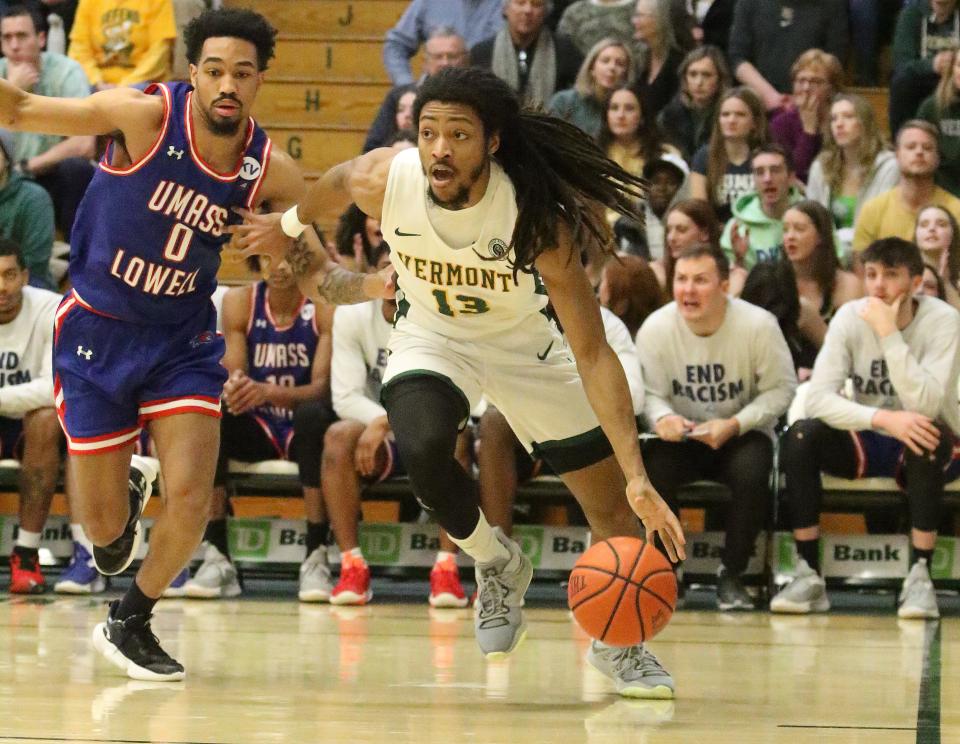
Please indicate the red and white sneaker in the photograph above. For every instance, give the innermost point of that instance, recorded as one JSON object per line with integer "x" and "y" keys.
{"x": 445, "y": 587}
{"x": 25, "y": 576}
{"x": 353, "y": 588}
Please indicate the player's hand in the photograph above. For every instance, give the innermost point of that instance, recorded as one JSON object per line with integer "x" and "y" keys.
{"x": 880, "y": 316}
{"x": 246, "y": 396}
{"x": 657, "y": 518}
{"x": 673, "y": 428}
{"x": 365, "y": 456}
{"x": 260, "y": 235}
{"x": 716, "y": 432}
{"x": 739, "y": 241}
{"x": 230, "y": 386}
{"x": 915, "y": 430}
{"x": 23, "y": 74}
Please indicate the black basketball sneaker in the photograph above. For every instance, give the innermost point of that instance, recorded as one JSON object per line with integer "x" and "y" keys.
{"x": 115, "y": 557}
{"x": 130, "y": 645}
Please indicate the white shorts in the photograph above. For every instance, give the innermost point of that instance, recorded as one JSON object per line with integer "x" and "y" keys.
{"x": 528, "y": 373}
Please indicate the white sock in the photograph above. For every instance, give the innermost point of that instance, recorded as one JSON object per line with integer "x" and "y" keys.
{"x": 443, "y": 556}
{"x": 482, "y": 544}
{"x": 26, "y": 539}
{"x": 355, "y": 554}
{"x": 79, "y": 536}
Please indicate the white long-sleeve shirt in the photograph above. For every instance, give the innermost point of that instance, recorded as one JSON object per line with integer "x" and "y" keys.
{"x": 360, "y": 336}
{"x": 26, "y": 355}
{"x": 744, "y": 370}
{"x": 915, "y": 369}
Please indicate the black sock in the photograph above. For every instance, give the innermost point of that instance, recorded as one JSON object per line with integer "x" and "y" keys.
{"x": 27, "y": 554}
{"x": 809, "y": 550}
{"x": 919, "y": 553}
{"x": 318, "y": 536}
{"x": 134, "y": 602}
{"x": 216, "y": 535}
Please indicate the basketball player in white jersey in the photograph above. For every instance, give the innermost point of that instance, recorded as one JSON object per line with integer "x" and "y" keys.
{"x": 487, "y": 216}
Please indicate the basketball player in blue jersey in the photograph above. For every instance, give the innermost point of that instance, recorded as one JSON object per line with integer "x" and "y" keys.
{"x": 135, "y": 342}
{"x": 485, "y": 219}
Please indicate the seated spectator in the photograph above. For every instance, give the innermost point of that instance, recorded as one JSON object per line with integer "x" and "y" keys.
{"x": 472, "y": 20}
{"x": 503, "y": 462}
{"x": 630, "y": 290}
{"x": 823, "y": 286}
{"x": 124, "y": 45}
{"x": 718, "y": 375}
{"x": 720, "y": 171}
{"x": 443, "y": 48}
{"x": 768, "y": 35}
{"x": 923, "y": 41}
{"x": 277, "y": 355}
{"x": 942, "y": 109}
{"x": 360, "y": 450}
{"x": 689, "y": 222}
{"x": 894, "y": 213}
{"x": 62, "y": 165}
{"x": 772, "y": 285}
{"x": 755, "y": 232}
{"x": 608, "y": 66}
{"x": 932, "y": 284}
{"x": 358, "y": 239}
{"x": 854, "y": 165}
{"x": 938, "y": 238}
{"x": 666, "y": 41}
{"x": 687, "y": 120}
{"x": 527, "y": 55}
{"x": 667, "y": 176}
{"x": 26, "y": 216}
{"x": 29, "y": 429}
{"x": 628, "y": 136}
{"x": 902, "y": 353}
{"x": 816, "y": 77}
{"x": 588, "y": 21}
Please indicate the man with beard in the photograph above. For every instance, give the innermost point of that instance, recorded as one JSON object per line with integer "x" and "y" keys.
{"x": 136, "y": 338}
{"x": 486, "y": 221}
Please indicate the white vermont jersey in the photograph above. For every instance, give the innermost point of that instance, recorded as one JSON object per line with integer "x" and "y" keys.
{"x": 26, "y": 355}
{"x": 462, "y": 293}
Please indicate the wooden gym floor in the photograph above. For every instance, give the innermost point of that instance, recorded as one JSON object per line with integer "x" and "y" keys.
{"x": 262, "y": 669}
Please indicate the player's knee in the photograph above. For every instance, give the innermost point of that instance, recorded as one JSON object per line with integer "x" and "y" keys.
{"x": 189, "y": 500}
{"x": 426, "y": 449}
{"x": 311, "y": 419}
{"x": 102, "y": 528}
{"x": 802, "y": 438}
{"x": 339, "y": 444}
{"x": 41, "y": 433}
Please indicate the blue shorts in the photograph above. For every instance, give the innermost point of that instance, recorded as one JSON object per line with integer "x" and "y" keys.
{"x": 111, "y": 375}
{"x": 881, "y": 456}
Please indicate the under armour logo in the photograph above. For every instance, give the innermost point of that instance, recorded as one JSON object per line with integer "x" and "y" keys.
{"x": 85, "y": 353}
{"x": 171, "y": 151}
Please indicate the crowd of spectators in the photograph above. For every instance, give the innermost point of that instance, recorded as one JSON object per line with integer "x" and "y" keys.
{"x": 785, "y": 240}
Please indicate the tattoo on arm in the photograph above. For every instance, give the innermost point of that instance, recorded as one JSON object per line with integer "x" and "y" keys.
{"x": 300, "y": 257}
{"x": 342, "y": 287}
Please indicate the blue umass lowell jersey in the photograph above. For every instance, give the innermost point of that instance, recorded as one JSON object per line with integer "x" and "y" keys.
{"x": 146, "y": 243}
{"x": 279, "y": 355}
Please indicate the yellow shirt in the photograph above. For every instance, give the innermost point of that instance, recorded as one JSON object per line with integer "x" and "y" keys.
{"x": 123, "y": 42}
{"x": 886, "y": 216}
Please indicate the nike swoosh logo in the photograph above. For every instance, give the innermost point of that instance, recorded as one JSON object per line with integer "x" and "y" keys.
{"x": 546, "y": 351}
{"x": 399, "y": 234}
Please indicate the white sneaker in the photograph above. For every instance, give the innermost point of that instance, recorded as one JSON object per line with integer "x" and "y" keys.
{"x": 918, "y": 599}
{"x": 806, "y": 592}
{"x": 316, "y": 581}
{"x": 635, "y": 671}
{"x": 498, "y": 614}
{"x": 216, "y": 577}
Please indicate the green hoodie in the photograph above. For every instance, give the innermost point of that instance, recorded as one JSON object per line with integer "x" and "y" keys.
{"x": 766, "y": 233}
{"x": 26, "y": 216}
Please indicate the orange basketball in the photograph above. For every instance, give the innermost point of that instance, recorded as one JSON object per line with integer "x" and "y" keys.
{"x": 622, "y": 591}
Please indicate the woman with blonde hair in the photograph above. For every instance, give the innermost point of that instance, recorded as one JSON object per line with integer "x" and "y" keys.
{"x": 609, "y": 65}
{"x": 720, "y": 172}
{"x": 817, "y": 76}
{"x": 942, "y": 109}
{"x": 854, "y": 165}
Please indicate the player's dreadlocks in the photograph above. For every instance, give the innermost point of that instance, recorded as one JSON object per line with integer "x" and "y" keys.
{"x": 558, "y": 172}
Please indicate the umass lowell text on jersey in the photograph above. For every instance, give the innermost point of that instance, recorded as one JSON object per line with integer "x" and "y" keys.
{"x": 146, "y": 242}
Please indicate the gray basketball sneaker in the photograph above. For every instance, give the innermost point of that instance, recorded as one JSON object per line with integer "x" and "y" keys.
{"x": 635, "y": 671}
{"x": 918, "y": 600}
{"x": 731, "y": 593}
{"x": 114, "y": 558}
{"x": 806, "y": 592}
{"x": 216, "y": 577}
{"x": 497, "y": 614}
{"x": 316, "y": 581}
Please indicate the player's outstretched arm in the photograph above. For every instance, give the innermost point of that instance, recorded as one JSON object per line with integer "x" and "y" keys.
{"x": 605, "y": 385}
{"x": 318, "y": 276}
{"x": 127, "y": 110}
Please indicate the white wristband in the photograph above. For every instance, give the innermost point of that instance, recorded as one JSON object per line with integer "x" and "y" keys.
{"x": 290, "y": 223}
